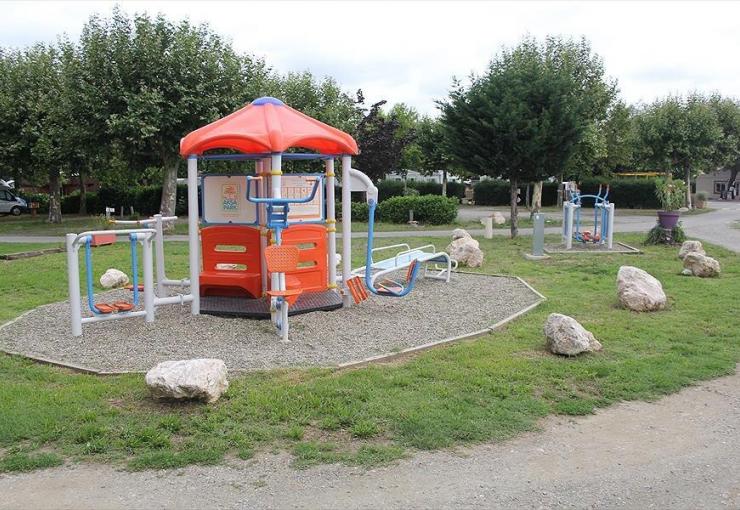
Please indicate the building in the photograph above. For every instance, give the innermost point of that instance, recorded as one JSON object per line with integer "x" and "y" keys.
{"x": 714, "y": 184}
{"x": 413, "y": 175}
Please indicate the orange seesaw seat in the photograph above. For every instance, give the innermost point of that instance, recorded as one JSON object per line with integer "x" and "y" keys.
{"x": 232, "y": 264}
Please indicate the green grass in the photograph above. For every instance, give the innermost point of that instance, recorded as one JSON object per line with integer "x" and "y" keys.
{"x": 6, "y": 248}
{"x": 488, "y": 389}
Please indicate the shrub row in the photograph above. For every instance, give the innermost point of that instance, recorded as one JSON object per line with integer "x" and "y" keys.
{"x": 392, "y": 188}
{"x": 626, "y": 193}
{"x": 428, "y": 209}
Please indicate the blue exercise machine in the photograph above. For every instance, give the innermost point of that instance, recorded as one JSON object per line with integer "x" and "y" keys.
{"x": 603, "y": 217}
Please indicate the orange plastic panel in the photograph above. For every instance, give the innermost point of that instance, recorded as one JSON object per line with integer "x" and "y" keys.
{"x": 103, "y": 239}
{"x": 246, "y": 254}
{"x": 281, "y": 258}
{"x": 313, "y": 266}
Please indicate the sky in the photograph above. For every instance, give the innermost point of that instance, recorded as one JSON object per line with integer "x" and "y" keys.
{"x": 409, "y": 51}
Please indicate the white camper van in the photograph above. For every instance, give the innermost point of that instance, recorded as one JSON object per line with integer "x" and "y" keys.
{"x": 10, "y": 203}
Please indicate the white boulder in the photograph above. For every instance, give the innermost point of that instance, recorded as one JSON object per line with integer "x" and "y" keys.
{"x": 199, "y": 379}
{"x": 690, "y": 247}
{"x": 113, "y": 278}
{"x": 565, "y": 335}
{"x": 466, "y": 251}
{"x": 701, "y": 265}
{"x": 639, "y": 291}
{"x": 498, "y": 218}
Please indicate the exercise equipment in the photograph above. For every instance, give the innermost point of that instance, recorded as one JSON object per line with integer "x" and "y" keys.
{"x": 117, "y": 306}
{"x": 603, "y": 217}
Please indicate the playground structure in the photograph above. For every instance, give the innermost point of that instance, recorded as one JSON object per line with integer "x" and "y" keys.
{"x": 603, "y": 230}
{"x": 268, "y": 239}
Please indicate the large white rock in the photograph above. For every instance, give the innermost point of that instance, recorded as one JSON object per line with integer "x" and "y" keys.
{"x": 701, "y": 265}
{"x": 498, "y": 218}
{"x": 113, "y": 278}
{"x": 565, "y": 335}
{"x": 690, "y": 247}
{"x": 200, "y": 379}
{"x": 466, "y": 251}
{"x": 639, "y": 291}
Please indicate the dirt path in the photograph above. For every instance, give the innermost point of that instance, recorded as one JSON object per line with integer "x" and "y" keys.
{"x": 680, "y": 452}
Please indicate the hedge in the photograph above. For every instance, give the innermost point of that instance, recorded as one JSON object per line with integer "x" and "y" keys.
{"x": 624, "y": 193}
{"x": 430, "y": 209}
{"x": 360, "y": 211}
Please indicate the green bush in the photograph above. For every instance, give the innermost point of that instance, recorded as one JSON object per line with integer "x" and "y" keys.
{"x": 71, "y": 203}
{"x": 430, "y": 209}
{"x": 625, "y": 193}
{"x": 491, "y": 192}
{"x": 455, "y": 189}
{"x": 425, "y": 187}
{"x": 360, "y": 211}
{"x": 389, "y": 188}
{"x": 41, "y": 198}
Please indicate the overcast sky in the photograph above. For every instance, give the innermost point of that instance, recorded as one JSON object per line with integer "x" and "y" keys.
{"x": 409, "y": 51}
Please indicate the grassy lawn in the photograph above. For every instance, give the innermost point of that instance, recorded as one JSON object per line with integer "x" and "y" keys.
{"x": 491, "y": 388}
{"x": 6, "y": 248}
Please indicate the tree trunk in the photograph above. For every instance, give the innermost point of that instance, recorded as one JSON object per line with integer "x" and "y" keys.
{"x": 687, "y": 201}
{"x": 444, "y": 183}
{"x": 55, "y": 197}
{"x": 527, "y": 199}
{"x": 514, "y": 209}
{"x": 731, "y": 182}
{"x": 536, "y": 198}
{"x": 561, "y": 192}
{"x": 169, "y": 190}
{"x": 83, "y": 193}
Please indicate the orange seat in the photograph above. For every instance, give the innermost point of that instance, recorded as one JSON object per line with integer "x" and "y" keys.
{"x": 312, "y": 271}
{"x": 282, "y": 259}
{"x": 231, "y": 261}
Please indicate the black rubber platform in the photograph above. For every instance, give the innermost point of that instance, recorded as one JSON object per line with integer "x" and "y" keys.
{"x": 260, "y": 308}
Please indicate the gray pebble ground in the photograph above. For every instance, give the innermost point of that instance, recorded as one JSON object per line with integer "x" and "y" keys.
{"x": 433, "y": 311}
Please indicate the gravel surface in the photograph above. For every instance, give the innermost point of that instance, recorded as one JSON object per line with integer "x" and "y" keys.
{"x": 679, "y": 453}
{"x": 433, "y": 311}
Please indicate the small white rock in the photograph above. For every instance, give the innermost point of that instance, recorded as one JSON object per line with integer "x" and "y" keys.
{"x": 565, "y": 335}
{"x": 639, "y": 291}
{"x": 199, "y": 379}
{"x": 113, "y": 278}
{"x": 498, "y": 218}
{"x": 690, "y": 247}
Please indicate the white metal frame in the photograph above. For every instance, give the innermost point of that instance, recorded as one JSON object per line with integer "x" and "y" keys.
{"x": 569, "y": 213}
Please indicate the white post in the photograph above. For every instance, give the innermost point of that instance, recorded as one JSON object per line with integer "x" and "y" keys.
{"x": 146, "y": 243}
{"x": 610, "y": 234}
{"x": 346, "y": 230}
{"x": 331, "y": 223}
{"x": 159, "y": 257}
{"x": 261, "y": 186}
{"x": 193, "y": 240}
{"x": 569, "y": 226}
{"x": 277, "y": 280}
{"x": 73, "y": 280}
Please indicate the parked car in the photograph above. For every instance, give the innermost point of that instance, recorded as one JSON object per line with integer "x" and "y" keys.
{"x": 11, "y": 204}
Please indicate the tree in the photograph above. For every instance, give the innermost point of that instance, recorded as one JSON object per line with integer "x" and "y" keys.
{"x": 430, "y": 138}
{"x": 381, "y": 142}
{"x": 678, "y": 134}
{"x": 727, "y": 154}
{"x": 167, "y": 81}
{"x": 523, "y": 118}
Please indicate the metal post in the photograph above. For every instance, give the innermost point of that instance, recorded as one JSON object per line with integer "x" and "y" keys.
{"x": 538, "y": 239}
{"x": 346, "y": 230}
{"x": 193, "y": 241}
{"x": 159, "y": 257}
{"x": 146, "y": 242}
{"x": 73, "y": 281}
{"x": 331, "y": 223}
{"x": 569, "y": 225}
{"x": 488, "y": 225}
{"x": 277, "y": 280}
{"x": 610, "y": 233}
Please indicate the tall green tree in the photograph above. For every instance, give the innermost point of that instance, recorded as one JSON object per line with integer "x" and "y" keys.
{"x": 679, "y": 134}
{"x": 727, "y": 154}
{"x": 435, "y": 155}
{"x": 522, "y": 119}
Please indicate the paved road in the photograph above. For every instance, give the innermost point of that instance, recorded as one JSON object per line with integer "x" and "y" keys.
{"x": 714, "y": 227}
{"x": 680, "y": 453}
